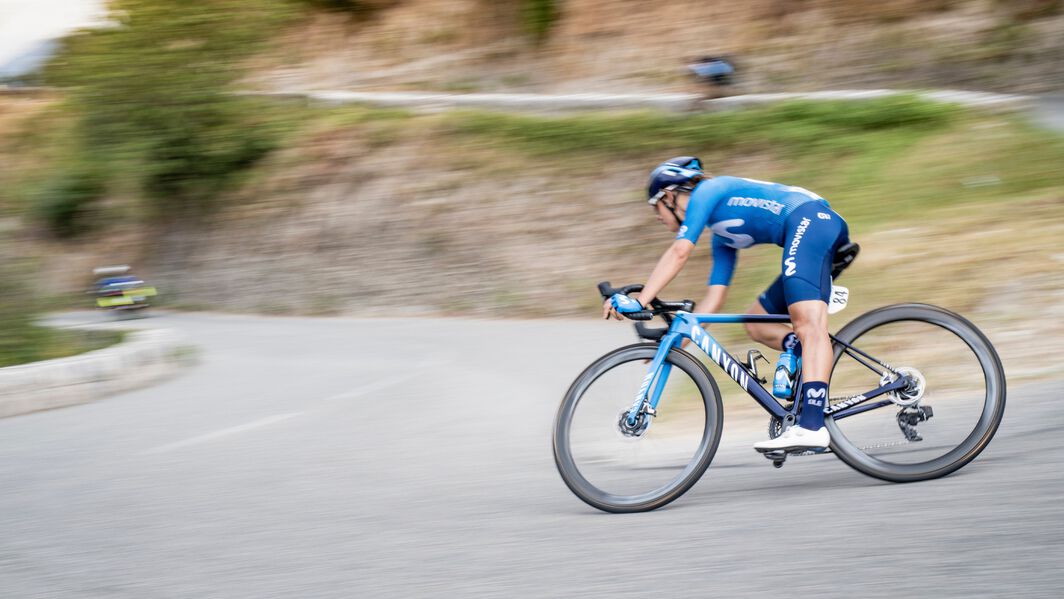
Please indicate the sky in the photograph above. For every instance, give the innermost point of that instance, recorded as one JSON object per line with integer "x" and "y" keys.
{"x": 24, "y": 24}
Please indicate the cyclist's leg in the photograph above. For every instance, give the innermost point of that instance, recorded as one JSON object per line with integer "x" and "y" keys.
{"x": 813, "y": 234}
{"x": 772, "y": 301}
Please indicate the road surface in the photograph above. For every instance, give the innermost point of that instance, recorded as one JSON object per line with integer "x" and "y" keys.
{"x": 411, "y": 458}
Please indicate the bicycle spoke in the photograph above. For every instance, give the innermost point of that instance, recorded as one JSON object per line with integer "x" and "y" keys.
{"x": 632, "y": 465}
{"x": 618, "y": 465}
{"x": 955, "y": 388}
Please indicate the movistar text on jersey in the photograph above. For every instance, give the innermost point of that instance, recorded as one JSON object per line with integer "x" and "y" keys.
{"x": 771, "y": 206}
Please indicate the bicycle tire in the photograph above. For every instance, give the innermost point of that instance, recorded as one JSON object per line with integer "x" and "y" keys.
{"x": 707, "y": 447}
{"x": 983, "y": 431}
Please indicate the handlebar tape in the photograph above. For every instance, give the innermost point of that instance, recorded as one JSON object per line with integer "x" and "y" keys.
{"x": 606, "y": 290}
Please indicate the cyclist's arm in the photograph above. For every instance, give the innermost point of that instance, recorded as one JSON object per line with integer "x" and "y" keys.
{"x": 699, "y": 208}
{"x": 713, "y": 300}
{"x": 667, "y": 268}
{"x": 724, "y": 260}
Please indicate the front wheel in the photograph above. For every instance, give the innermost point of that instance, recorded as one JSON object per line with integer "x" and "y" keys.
{"x": 622, "y": 468}
{"x": 939, "y": 423}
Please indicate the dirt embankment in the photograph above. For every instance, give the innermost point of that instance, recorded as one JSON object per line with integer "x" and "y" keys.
{"x": 626, "y": 46}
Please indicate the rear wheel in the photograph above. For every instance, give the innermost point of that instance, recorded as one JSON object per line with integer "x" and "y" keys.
{"x": 617, "y": 467}
{"x": 948, "y": 414}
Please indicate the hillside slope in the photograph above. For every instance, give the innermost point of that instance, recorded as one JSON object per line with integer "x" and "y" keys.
{"x": 625, "y": 45}
{"x": 368, "y": 212}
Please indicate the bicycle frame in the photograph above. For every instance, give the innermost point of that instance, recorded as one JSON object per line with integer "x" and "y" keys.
{"x": 686, "y": 325}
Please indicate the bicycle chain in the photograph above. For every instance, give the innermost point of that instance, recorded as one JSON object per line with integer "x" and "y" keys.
{"x": 882, "y": 445}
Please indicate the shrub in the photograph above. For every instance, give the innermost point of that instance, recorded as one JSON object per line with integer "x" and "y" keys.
{"x": 153, "y": 93}
{"x": 65, "y": 203}
{"x": 358, "y": 8}
{"x": 20, "y": 339}
{"x": 539, "y": 17}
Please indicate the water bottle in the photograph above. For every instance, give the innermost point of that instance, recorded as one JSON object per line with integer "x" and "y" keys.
{"x": 783, "y": 382}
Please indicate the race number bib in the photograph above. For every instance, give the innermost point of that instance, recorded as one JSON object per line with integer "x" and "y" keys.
{"x": 839, "y": 297}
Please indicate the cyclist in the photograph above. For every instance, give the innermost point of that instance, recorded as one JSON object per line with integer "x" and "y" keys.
{"x": 741, "y": 213}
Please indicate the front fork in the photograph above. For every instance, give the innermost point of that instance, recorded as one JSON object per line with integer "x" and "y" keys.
{"x": 646, "y": 400}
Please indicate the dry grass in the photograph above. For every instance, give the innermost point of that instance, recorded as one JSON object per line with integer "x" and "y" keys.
{"x": 624, "y": 46}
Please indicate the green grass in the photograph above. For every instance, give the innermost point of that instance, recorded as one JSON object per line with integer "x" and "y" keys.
{"x": 43, "y": 343}
{"x": 794, "y": 127}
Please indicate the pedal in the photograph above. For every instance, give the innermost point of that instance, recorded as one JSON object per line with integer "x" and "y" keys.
{"x": 780, "y": 455}
{"x": 777, "y": 456}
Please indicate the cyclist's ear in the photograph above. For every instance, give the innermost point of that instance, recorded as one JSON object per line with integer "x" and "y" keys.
{"x": 680, "y": 201}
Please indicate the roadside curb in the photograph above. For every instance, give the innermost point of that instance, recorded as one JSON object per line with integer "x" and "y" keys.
{"x": 436, "y": 102}
{"x": 143, "y": 358}
{"x": 982, "y": 100}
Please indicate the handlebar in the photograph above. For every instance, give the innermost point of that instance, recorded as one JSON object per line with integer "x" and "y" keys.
{"x": 658, "y": 307}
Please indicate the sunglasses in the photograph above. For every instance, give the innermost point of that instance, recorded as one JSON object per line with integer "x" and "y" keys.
{"x": 653, "y": 201}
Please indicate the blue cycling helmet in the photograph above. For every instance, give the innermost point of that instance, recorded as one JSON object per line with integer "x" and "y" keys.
{"x": 680, "y": 173}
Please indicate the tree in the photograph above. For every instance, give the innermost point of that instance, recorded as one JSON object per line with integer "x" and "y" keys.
{"x": 153, "y": 94}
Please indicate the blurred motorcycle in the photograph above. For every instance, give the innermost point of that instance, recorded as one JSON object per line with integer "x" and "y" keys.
{"x": 119, "y": 290}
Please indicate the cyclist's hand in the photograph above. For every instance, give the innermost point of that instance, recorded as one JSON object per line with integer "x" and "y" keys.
{"x": 621, "y": 304}
{"x": 609, "y": 307}
{"x": 608, "y": 311}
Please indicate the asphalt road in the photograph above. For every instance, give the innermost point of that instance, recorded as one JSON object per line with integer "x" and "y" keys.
{"x": 408, "y": 458}
{"x": 1049, "y": 111}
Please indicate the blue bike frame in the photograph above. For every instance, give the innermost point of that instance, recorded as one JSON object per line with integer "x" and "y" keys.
{"x": 688, "y": 326}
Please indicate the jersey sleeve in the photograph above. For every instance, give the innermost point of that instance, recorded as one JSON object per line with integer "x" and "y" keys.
{"x": 724, "y": 259}
{"x": 699, "y": 208}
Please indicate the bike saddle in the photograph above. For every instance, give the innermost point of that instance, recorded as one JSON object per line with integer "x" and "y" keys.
{"x": 844, "y": 257}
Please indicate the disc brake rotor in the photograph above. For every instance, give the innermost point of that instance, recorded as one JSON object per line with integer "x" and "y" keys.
{"x": 911, "y": 394}
{"x": 627, "y": 429}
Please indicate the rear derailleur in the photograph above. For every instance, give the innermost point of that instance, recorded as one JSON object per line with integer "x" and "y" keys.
{"x": 909, "y": 417}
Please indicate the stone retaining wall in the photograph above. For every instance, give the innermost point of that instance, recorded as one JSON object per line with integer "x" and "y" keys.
{"x": 143, "y": 358}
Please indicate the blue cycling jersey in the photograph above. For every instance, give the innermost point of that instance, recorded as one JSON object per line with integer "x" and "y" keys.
{"x": 740, "y": 213}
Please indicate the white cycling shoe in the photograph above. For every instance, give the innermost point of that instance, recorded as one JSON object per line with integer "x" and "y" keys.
{"x": 796, "y": 438}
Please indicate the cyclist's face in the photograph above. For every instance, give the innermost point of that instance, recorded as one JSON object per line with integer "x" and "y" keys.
{"x": 676, "y": 201}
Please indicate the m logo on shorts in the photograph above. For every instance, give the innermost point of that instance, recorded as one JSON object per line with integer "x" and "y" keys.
{"x": 791, "y": 267}
{"x": 798, "y": 234}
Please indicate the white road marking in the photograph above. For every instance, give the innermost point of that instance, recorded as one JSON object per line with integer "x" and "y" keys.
{"x": 370, "y": 388}
{"x": 223, "y": 432}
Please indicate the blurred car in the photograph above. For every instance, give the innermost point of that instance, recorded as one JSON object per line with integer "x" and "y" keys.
{"x": 119, "y": 290}
{"x": 716, "y": 72}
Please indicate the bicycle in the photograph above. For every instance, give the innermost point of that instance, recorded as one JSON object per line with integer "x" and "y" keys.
{"x": 671, "y": 429}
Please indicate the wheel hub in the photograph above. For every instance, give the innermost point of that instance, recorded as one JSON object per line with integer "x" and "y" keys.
{"x": 634, "y": 430}
{"x": 912, "y": 392}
